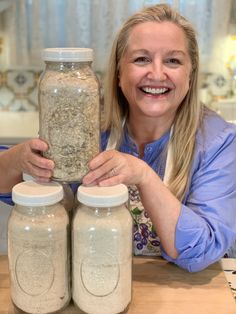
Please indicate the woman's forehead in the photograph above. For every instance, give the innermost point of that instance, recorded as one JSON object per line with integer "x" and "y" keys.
{"x": 157, "y": 35}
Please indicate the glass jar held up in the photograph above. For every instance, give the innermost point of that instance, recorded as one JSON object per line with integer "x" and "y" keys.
{"x": 69, "y": 111}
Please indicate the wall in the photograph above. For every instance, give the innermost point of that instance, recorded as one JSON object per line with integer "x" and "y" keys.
{"x": 5, "y": 211}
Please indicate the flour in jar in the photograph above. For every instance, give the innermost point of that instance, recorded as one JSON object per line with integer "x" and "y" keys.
{"x": 70, "y": 118}
{"x": 102, "y": 260}
{"x": 38, "y": 258}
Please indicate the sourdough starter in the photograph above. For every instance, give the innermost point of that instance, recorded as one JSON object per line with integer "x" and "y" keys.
{"x": 38, "y": 258}
{"x": 102, "y": 259}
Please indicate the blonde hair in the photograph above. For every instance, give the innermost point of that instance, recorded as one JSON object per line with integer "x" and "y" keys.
{"x": 188, "y": 114}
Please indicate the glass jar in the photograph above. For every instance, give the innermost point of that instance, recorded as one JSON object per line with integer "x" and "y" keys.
{"x": 102, "y": 250}
{"x": 69, "y": 111}
{"x": 38, "y": 248}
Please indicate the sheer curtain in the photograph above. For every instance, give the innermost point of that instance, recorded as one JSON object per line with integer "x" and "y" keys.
{"x": 32, "y": 25}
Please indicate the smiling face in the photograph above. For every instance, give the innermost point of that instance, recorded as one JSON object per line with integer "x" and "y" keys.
{"x": 155, "y": 71}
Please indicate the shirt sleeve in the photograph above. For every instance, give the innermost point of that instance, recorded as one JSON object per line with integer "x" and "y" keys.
{"x": 206, "y": 226}
{"x": 3, "y": 147}
{"x": 6, "y": 197}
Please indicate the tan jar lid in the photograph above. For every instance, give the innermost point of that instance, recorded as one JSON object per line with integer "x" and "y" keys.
{"x": 32, "y": 193}
{"x": 97, "y": 196}
{"x": 67, "y": 54}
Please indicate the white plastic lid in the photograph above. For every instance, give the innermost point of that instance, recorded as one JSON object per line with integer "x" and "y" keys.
{"x": 27, "y": 177}
{"x": 32, "y": 193}
{"x": 97, "y": 196}
{"x": 67, "y": 54}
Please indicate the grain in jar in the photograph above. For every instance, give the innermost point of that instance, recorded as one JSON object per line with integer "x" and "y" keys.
{"x": 102, "y": 250}
{"x": 69, "y": 111}
{"x": 38, "y": 248}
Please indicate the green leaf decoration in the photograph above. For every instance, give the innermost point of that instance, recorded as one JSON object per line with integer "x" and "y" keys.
{"x": 136, "y": 211}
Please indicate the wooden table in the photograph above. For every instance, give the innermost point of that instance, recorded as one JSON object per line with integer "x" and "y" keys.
{"x": 159, "y": 288}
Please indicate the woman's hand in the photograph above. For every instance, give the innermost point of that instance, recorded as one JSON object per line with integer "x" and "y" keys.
{"x": 112, "y": 167}
{"x": 25, "y": 157}
{"x": 29, "y": 159}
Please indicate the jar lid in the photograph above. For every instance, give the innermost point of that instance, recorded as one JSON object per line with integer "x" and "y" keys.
{"x": 27, "y": 177}
{"x": 67, "y": 54}
{"x": 97, "y": 196}
{"x": 32, "y": 193}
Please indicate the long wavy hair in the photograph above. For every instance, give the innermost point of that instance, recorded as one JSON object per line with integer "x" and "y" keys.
{"x": 188, "y": 115}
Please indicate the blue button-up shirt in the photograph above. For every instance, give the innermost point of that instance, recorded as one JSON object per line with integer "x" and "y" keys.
{"x": 207, "y": 223}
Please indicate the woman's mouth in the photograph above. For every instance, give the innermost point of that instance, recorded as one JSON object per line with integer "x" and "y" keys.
{"x": 155, "y": 91}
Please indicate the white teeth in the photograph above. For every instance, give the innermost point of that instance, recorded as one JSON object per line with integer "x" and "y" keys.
{"x": 154, "y": 91}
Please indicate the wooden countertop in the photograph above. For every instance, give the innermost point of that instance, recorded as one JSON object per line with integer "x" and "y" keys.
{"x": 159, "y": 288}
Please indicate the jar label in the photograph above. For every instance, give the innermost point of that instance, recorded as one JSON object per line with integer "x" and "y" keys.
{"x": 100, "y": 274}
{"x": 34, "y": 272}
{"x": 39, "y": 270}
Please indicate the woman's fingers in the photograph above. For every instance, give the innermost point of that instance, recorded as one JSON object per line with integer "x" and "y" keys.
{"x": 101, "y": 159}
{"x": 103, "y": 169}
{"x": 37, "y": 145}
{"x": 38, "y": 172}
{"x": 111, "y": 167}
{"x": 32, "y": 162}
{"x": 41, "y": 162}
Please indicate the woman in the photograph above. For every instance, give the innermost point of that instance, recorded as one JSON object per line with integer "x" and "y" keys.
{"x": 177, "y": 157}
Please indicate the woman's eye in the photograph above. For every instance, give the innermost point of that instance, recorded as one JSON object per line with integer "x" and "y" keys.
{"x": 141, "y": 60}
{"x": 173, "y": 61}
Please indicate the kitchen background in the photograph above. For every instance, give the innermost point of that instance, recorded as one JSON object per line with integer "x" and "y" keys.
{"x": 28, "y": 26}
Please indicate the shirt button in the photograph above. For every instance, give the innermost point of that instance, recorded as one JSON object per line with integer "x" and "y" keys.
{"x": 148, "y": 149}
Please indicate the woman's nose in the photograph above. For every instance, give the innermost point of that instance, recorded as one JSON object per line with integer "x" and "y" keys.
{"x": 157, "y": 71}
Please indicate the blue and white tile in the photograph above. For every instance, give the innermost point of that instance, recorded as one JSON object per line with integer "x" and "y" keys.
{"x": 6, "y": 97}
{"x": 20, "y": 82}
{"x": 19, "y": 104}
{"x": 33, "y": 98}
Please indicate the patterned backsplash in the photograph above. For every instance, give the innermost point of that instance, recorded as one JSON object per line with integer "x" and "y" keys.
{"x": 18, "y": 90}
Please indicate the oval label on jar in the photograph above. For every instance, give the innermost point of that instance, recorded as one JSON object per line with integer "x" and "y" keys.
{"x": 100, "y": 274}
{"x": 34, "y": 272}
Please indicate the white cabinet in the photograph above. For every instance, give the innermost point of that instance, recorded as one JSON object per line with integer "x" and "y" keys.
{"x": 16, "y": 127}
{"x": 226, "y": 107}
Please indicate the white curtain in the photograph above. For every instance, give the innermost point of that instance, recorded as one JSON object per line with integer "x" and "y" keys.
{"x": 32, "y": 25}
